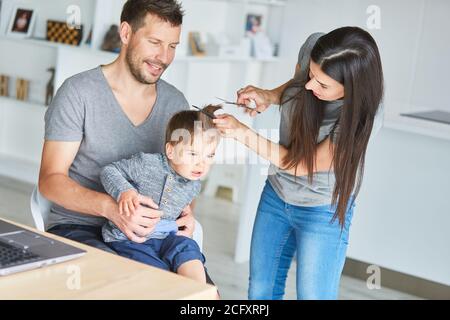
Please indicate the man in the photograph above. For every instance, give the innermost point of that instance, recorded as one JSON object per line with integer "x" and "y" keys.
{"x": 107, "y": 114}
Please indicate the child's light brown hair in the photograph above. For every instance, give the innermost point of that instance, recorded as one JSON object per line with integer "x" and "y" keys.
{"x": 190, "y": 121}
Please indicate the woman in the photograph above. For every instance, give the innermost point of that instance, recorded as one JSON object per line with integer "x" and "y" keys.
{"x": 327, "y": 116}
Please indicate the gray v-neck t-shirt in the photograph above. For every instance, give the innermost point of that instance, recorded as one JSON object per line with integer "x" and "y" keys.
{"x": 297, "y": 190}
{"x": 85, "y": 109}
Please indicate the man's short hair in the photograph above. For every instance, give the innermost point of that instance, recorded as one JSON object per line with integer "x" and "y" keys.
{"x": 135, "y": 11}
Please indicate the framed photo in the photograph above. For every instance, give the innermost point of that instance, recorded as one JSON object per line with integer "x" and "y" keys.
{"x": 253, "y": 24}
{"x": 22, "y": 22}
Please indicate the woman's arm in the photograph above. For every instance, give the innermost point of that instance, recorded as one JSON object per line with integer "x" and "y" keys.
{"x": 275, "y": 153}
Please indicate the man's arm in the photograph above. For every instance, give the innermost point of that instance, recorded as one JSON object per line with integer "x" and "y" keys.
{"x": 56, "y": 185}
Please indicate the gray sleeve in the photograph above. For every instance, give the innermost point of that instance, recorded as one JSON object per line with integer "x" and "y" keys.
{"x": 120, "y": 176}
{"x": 64, "y": 119}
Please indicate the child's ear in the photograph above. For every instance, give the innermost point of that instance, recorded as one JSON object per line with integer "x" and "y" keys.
{"x": 169, "y": 151}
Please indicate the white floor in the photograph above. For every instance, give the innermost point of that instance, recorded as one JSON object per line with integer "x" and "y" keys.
{"x": 219, "y": 220}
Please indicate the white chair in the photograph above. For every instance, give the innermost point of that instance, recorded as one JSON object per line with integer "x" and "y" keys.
{"x": 40, "y": 210}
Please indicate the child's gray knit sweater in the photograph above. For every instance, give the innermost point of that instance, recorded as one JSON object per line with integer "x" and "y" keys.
{"x": 152, "y": 176}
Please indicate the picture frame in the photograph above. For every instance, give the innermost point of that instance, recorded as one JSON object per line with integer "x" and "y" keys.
{"x": 60, "y": 32}
{"x": 22, "y": 22}
{"x": 253, "y": 24}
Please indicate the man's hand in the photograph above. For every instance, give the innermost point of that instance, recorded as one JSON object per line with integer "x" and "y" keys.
{"x": 128, "y": 202}
{"x": 137, "y": 226}
{"x": 186, "y": 223}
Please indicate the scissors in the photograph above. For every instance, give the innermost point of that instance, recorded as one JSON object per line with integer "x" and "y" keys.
{"x": 239, "y": 105}
{"x": 209, "y": 115}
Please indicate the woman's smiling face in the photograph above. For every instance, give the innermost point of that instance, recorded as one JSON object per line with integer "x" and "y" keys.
{"x": 323, "y": 86}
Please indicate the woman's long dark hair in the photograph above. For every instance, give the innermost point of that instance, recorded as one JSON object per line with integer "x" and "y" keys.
{"x": 350, "y": 56}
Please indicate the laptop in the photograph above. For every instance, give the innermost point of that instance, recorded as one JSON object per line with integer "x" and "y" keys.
{"x": 21, "y": 250}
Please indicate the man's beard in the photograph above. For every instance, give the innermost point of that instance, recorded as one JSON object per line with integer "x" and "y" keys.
{"x": 135, "y": 66}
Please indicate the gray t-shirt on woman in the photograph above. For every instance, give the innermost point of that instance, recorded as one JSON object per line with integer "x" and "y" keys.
{"x": 85, "y": 109}
{"x": 297, "y": 190}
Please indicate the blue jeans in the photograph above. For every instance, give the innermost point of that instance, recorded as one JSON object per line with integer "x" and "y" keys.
{"x": 167, "y": 254}
{"x": 89, "y": 235}
{"x": 279, "y": 231}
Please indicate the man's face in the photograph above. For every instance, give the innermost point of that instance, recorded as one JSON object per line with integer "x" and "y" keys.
{"x": 151, "y": 49}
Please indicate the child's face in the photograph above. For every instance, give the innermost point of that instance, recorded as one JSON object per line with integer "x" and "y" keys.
{"x": 193, "y": 161}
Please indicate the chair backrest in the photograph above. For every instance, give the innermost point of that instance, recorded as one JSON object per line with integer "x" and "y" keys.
{"x": 40, "y": 209}
{"x": 198, "y": 235}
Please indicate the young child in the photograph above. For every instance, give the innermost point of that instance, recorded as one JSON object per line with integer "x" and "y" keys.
{"x": 172, "y": 181}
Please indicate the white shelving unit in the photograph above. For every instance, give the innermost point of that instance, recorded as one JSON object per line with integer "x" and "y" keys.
{"x": 199, "y": 78}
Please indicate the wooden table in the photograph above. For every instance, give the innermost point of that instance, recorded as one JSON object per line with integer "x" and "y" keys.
{"x": 100, "y": 275}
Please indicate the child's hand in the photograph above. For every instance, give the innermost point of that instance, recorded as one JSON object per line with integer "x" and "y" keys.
{"x": 128, "y": 202}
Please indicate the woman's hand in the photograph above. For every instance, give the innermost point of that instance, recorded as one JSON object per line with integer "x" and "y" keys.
{"x": 229, "y": 126}
{"x": 253, "y": 95}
